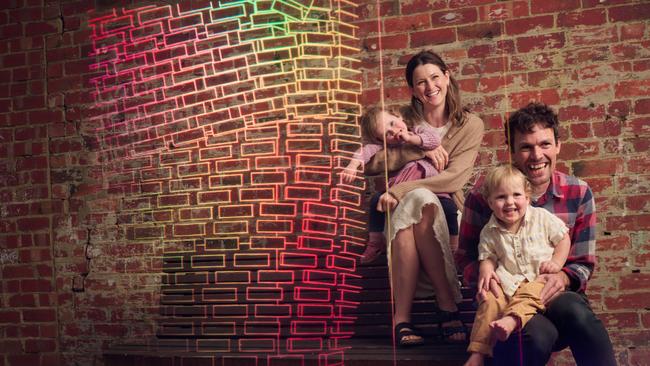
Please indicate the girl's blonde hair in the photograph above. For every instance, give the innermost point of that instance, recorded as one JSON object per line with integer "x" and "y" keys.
{"x": 501, "y": 174}
{"x": 368, "y": 121}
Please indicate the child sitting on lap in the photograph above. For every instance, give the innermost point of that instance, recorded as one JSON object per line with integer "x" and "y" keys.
{"x": 516, "y": 245}
{"x": 377, "y": 125}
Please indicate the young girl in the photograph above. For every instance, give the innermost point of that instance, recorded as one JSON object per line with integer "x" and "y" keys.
{"x": 377, "y": 124}
{"x": 517, "y": 244}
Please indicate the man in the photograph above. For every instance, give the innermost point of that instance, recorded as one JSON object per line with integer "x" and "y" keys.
{"x": 532, "y": 135}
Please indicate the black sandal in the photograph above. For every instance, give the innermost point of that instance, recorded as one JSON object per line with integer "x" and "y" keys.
{"x": 403, "y": 331}
{"x": 447, "y": 332}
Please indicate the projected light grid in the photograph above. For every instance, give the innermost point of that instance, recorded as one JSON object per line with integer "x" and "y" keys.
{"x": 224, "y": 129}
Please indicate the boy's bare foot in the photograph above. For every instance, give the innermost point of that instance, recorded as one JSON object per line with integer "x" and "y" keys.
{"x": 503, "y": 327}
{"x": 475, "y": 359}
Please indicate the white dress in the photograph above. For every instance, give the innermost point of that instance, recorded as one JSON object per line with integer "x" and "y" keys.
{"x": 409, "y": 212}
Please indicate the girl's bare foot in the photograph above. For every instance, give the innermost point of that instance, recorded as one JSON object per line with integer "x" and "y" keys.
{"x": 475, "y": 359}
{"x": 503, "y": 327}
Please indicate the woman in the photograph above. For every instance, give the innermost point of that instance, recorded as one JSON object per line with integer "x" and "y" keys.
{"x": 419, "y": 249}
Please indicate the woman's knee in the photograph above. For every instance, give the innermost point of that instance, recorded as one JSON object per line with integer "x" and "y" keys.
{"x": 428, "y": 215}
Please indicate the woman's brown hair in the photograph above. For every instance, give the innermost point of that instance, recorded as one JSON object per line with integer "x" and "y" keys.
{"x": 453, "y": 107}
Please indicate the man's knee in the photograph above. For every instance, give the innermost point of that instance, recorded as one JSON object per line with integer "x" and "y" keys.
{"x": 570, "y": 309}
{"x": 538, "y": 337}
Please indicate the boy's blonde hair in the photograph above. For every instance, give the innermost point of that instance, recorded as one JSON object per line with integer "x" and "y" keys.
{"x": 500, "y": 174}
{"x": 368, "y": 121}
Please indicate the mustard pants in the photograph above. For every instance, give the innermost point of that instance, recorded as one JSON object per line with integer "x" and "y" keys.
{"x": 522, "y": 305}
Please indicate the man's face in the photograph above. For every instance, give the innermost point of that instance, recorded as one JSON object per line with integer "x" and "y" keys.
{"x": 535, "y": 154}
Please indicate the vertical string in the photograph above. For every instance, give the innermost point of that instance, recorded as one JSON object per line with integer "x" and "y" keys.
{"x": 385, "y": 152}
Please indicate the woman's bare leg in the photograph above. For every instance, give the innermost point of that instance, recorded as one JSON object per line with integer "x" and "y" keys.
{"x": 404, "y": 271}
{"x": 433, "y": 263}
{"x": 431, "y": 259}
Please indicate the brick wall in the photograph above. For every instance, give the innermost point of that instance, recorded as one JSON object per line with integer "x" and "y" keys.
{"x": 67, "y": 293}
{"x": 588, "y": 59}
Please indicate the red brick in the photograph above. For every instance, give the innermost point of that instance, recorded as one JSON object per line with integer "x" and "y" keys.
{"x": 11, "y": 347}
{"x": 9, "y": 316}
{"x": 40, "y": 345}
{"x": 453, "y": 17}
{"x": 542, "y": 42}
{"x": 387, "y": 42}
{"x": 432, "y": 37}
{"x": 532, "y": 24}
{"x": 632, "y": 88}
{"x": 421, "y": 6}
{"x": 628, "y": 13}
{"x": 18, "y": 271}
{"x": 591, "y": 17}
{"x": 628, "y": 222}
{"x": 478, "y": 31}
{"x": 585, "y": 37}
{"x": 113, "y": 330}
{"x": 546, "y": 6}
{"x": 619, "y": 108}
{"x": 22, "y": 360}
{"x": 578, "y": 150}
{"x": 464, "y": 3}
{"x": 39, "y": 315}
{"x": 36, "y": 285}
{"x": 42, "y": 28}
{"x": 624, "y": 301}
{"x": 504, "y": 10}
{"x": 597, "y": 167}
{"x": 33, "y": 224}
{"x": 407, "y": 23}
{"x": 632, "y": 31}
{"x": 498, "y": 48}
{"x": 548, "y": 96}
{"x": 642, "y": 106}
{"x": 607, "y": 128}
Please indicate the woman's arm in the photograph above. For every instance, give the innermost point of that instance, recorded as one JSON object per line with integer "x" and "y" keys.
{"x": 463, "y": 146}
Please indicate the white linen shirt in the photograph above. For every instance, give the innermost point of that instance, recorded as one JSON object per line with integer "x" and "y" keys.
{"x": 519, "y": 255}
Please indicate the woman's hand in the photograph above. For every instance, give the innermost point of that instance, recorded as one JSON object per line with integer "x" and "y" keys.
{"x": 438, "y": 157}
{"x": 386, "y": 201}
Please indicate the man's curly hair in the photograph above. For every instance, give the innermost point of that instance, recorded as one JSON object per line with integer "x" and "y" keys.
{"x": 524, "y": 119}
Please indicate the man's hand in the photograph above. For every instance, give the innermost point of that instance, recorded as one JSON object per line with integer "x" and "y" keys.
{"x": 554, "y": 284}
{"x": 386, "y": 201}
{"x": 438, "y": 157}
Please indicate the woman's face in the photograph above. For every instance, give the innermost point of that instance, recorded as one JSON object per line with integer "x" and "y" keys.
{"x": 430, "y": 85}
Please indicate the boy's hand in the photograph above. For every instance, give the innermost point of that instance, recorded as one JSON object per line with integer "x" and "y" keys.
{"x": 438, "y": 157}
{"x": 410, "y": 138}
{"x": 350, "y": 172}
{"x": 485, "y": 277}
{"x": 549, "y": 267}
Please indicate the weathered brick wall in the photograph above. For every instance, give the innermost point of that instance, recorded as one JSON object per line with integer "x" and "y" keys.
{"x": 590, "y": 59}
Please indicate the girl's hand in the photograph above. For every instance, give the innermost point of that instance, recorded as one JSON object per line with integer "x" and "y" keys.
{"x": 410, "y": 138}
{"x": 350, "y": 172}
{"x": 438, "y": 157}
{"x": 386, "y": 201}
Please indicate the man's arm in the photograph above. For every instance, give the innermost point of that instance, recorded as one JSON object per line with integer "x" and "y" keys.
{"x": 476, "y": 213}
{"x": 582, "y": 256}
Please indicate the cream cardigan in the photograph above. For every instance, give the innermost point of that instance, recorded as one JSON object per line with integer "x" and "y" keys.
{"x": 461, "y": 142}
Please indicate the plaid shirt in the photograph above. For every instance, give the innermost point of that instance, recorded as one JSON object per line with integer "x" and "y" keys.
{"x": 568, "y": 198}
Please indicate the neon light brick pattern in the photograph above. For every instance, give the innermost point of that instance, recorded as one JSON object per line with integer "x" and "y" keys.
{"x": 225, "y": 129}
